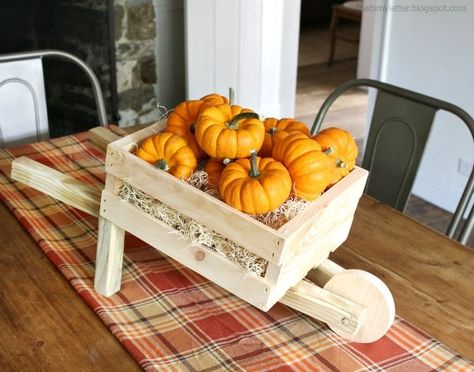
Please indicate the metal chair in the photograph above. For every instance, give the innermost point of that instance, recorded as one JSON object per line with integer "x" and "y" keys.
{"x": 401, "y": 119}
{"x": 23, "y": 114}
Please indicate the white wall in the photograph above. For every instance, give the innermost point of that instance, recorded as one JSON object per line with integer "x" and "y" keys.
{"x": 433, "y": 53}
{"x": 371, "y": 41}
{"x": 250, "y": 45}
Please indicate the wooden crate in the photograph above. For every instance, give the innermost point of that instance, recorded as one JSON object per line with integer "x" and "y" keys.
{"x": 291, "y": 251}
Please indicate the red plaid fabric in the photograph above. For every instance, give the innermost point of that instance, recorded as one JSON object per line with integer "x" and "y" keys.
{"x": 169, "y": 317}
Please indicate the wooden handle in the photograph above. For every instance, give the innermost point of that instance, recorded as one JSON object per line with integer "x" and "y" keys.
{"x": 57, "y": 185}
{"x": 100, "y": 137}
{"x": 345, "y": 316}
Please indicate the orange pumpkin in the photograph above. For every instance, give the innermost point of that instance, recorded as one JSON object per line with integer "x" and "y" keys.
{"x": 255, "y": 185}
{"x": 339, "y": 145}
{"x": 213, "y": 100}
{"x": 182, "y": 119}
{"x": 225, "y": 131}
{"x": 214, "y": 168}
{"x": 310, "y": 169}
{"x": 168, "y": 152}
{"x": 276, "y": 129}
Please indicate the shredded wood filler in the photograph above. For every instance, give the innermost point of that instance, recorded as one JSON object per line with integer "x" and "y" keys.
{"x": 199, "y": 234}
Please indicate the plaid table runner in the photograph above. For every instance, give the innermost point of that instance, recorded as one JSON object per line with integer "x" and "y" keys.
{"x": 169, "y": 317}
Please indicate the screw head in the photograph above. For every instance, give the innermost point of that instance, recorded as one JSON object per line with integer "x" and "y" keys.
{"x": 199, "y": 255}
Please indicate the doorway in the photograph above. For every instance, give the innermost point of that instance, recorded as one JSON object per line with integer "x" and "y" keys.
{"x": 316, "y": 80}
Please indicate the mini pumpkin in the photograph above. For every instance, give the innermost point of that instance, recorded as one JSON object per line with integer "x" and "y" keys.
{"x": 255, "y": 185}
{"x": 276, "y": 129}
{"x": 226, "y": 131}
{"x": 214, "y": 168}
{"x": 182, "y": 119}
{"x": 169, "y": 152}
{"x": 213, "y": 100}
{"x": 310, "y": 169}
{"x": 339, "y": 145}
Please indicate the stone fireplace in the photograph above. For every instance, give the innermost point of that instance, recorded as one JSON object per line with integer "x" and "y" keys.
{"x": 135, "y": 43}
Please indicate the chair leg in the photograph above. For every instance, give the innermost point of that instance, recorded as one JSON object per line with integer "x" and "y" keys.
{"x": 467, "y": 228}
{"x": 332, "y": 35}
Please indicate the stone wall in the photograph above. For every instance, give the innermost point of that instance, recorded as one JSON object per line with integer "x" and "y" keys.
{"x": 125, "y": 62}
{"x": 135, "y": 44}
{"x": 79, "y": 27}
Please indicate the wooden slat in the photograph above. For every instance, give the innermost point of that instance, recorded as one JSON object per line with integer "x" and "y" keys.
{"x": 298, "y": 267}
{"x": 100, "y": 137}
{"x": 206, "y": 262}
{"x": 321, "y": 230}
{"x": 350, "y": 187}
{"x": 130, "y": 142}
{"x": 57, "y": 185}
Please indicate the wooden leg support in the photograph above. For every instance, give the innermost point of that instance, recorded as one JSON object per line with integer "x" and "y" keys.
{"x": 109, "y": 258}
{"x": 110, "y": 242}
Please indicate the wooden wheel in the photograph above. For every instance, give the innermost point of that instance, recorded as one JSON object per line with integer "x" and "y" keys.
{"x": 365, "y": 289}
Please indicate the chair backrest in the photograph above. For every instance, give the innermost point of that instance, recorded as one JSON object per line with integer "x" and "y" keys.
{"x": 23, "y": 113}
{"x": 402, "y": 119}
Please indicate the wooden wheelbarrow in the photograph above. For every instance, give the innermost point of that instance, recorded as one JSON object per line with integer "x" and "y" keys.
{"x": 355, "y": 304}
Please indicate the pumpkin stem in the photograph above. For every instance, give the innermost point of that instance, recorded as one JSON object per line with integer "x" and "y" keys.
{"x": 231, "y": 96}
{"x": 254, "y": 172}
{"x": 272, "y": 130}
{"x": 162, "y": 164}
{"x": 226, "y": 161}
{"x": 340, "y": 163}
{"x": 234, "y": 122}
{"x": 192, "y": 128}
{"x": 328, "y": 150}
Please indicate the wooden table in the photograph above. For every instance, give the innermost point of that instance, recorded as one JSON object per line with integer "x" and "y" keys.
{"x": 45, "y": 324}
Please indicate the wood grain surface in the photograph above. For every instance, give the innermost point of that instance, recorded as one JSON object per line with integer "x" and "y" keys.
{"x": 44, "y": 323}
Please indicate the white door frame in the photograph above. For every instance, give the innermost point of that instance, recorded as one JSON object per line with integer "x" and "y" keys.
{"x": 250, "y": 45}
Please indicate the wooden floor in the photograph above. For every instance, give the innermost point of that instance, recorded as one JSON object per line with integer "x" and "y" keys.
{"x": 316, "y": 82}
